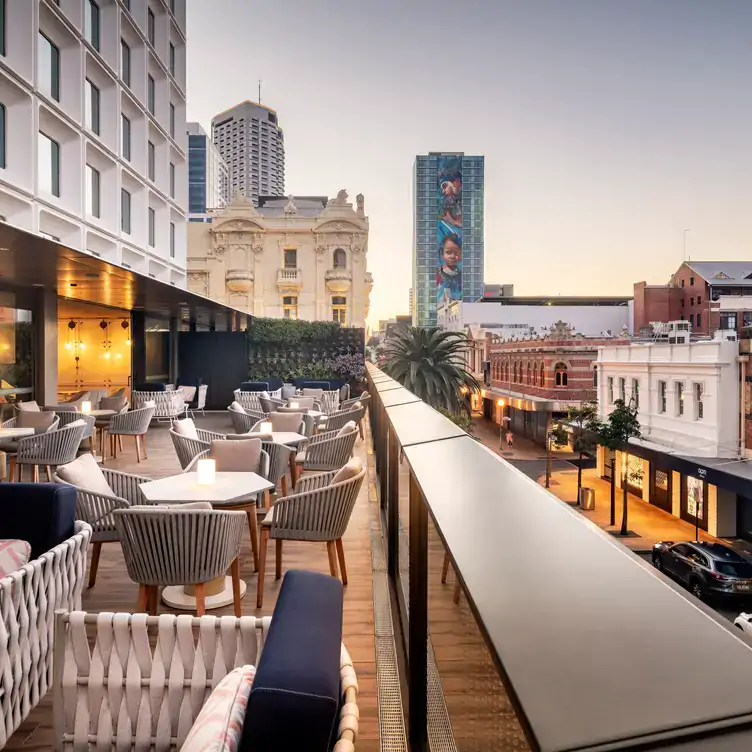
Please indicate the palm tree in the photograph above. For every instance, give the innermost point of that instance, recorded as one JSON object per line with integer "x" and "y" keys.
{"x": 432, "y": 364}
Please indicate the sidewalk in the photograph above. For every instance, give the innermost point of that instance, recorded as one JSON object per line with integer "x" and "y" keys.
{"x": 647, "y": 523}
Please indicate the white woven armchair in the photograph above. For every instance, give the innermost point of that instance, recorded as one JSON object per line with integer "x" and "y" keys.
{"x": 167, "y": 405}
{"x": 170, "y": 546}
{"x": 249, "y": 400}
{"x": 132, "y": 423}
{"x": 28, "y": 600}
{"x": 292, "y": 422}
{"x": 10, "y": 446}
{"x": 318, "y": 511}
{"x": 335, "y": 421}
{"x": 49, "y": 449}
{"x": 270, "y": 404}
{"x": 89, "y": 683}
{"x": 187, "y": 448}
{"x": 96, "y": 508}
{"x": 242, "y": 422}
{"x": 327, "y": 451}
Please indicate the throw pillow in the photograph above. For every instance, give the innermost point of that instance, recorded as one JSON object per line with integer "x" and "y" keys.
{"x": 13, "y": 555}
{"x": 186, "y": 427}
{"x": 30, "y": 406}
{"x": 84, "y": 472}
{"x": 357, "y": 405}
{"x": 219, "y": 725}
{"x": 40, "y": 422}
{"x": 349, "y": 427}
{"x": 77, "y": 397}
{"x": 236, "y": 456}
{"x": 113, "y": 403}
{"x": 119, "y": 392}
{"x": 237, "y": 407}
{"x": 149, "y": 403}
{"x": 264, "y": 394}
{"x": 285, "y": 421}
{"x": 350, "y": 470}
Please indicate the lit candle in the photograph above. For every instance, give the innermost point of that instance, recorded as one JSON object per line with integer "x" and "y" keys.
{"x": 295, "y": 405}
{"x": 86, "y": 407}
{"x": 206, "y": 471}
{"x": 266, "y": 428}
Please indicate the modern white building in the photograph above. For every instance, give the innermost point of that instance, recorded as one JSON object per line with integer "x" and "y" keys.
{"x": 528, "y": 316}
{"x": 92, "y": 136}
{"x": 251, "y": 141}
{"x": 691, "y": 458}
{"x": 208, "y": 178}
{"x": 300, "y": 257}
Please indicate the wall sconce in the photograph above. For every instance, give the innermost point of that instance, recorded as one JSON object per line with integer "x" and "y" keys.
{"x": 206, "y": 471}
{"x": 500, "y": 403}
{"x": 125, "y": 326}
{"x": 86, "y": 408}
{"x": 267, "y": 427}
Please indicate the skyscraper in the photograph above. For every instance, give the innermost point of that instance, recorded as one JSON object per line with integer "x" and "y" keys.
{"x": 208, "y": 178}
{"x": 250, "y": 140}
{"x": 448, "y": 231}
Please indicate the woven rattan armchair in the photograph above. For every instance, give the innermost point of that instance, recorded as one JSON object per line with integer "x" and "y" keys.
{"x": 160, "y": 711}
{"x": 188, "y": 448}
{"x": 318, "y": 511}
{"x": 174, "y": 546}
{"x": 248, "y": 400}
{"x": 279, "y": 463}
{"x": 49, "y": 449}
{"x": 28, "y": 600}
{"x": 364, "y": 399}
{"x": 292, "y": 422}
{"x": 242, "y": 422}
{"x": 96, "y": 508}
{"x": 270, "y": 404}
{"x": 10, "y": 446}
{"x": 168, "y": 405}
{"x": 132, "y": 423}
{"x": 327, "y": 451}
{"x": 336, "y": 420}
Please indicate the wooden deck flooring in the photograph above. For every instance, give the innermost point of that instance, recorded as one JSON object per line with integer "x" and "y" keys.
{"x": 115, "y": 592}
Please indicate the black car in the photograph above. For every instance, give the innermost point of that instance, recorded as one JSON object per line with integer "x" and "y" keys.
{"x": 705, "y": 568}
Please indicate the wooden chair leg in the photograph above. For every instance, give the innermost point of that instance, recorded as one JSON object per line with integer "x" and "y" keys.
{"x": 35, "y": 474}
{"x": 96, "y": 550}
{"x": 235, "y": 573}
{"x": 138, "y": 447}
{"x": 445, "y": 568}
{"x": 278, "y": 559}
{"x": 200, "y": 601}
{"x": 330, "y": 548}
{"x": 143, "y": 445}
{"x": 120, "y": 443}
{"x": 49, "y": 473}
{"x": 341, "y": 559}
{"x": 284, "y": 485}
{"x": 457, "y": 589}
{"x": 143, "y": 599}
{"x": 19, "y": 472}
{"x": 253, "y": 528}
{"x": 154, "y": 600}
{"x": 263, "y": 543}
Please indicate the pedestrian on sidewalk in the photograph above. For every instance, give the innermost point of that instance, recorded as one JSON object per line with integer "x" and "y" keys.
{"x": 510, "y": 440}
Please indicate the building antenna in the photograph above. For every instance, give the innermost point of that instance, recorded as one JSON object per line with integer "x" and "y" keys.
{"x": 259, "y": 96}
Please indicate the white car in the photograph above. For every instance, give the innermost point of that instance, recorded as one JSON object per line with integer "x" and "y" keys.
{"x": 744, "y": 622}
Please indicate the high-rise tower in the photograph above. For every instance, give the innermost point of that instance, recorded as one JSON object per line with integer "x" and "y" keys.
{"x": 252, "y": 144}
{"x": 448, "y": 231}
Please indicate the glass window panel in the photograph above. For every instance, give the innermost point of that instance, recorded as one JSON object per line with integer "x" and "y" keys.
{"x": 3, "y": 115}
{"x": 48, "y": 165}
{"x": 172, "y": 240}
{"x": 152, "y": 226}
{"x": 92, "y": 107}
{"x": 48, "y": 60}
{"x": 151, "y": 160}
{"x": 125, "y": 211}
{"x": 91, "y": 23}
{"x": 126, "y": 123}
{"x": 92, "y": 191}
{"x": 150, "y": 25}
{"x": 151, "y": 94}
{"x": 125, "y": 62}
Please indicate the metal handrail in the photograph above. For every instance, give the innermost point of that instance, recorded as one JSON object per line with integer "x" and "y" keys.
{"x": 595, "y": 648}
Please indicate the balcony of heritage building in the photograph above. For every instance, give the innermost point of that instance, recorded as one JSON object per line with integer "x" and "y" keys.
{"x": 289, "y": 280}
{"x": 338, "y": 280}
{"x": 239, "y": 280}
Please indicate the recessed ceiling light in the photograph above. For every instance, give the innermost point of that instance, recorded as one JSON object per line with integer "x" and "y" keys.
{"x": 74, "y": 284}
{"x": 91, "y": 274}
{"x": 4, "y": 249}
{"x": 37, "y": 285}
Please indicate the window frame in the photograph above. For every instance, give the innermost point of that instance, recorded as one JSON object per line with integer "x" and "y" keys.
{"x": 172, "y": 240}
{"x": 151, "y": 161}
{"x": 339, "y": 309}
{"x": 151, "y": 94}
{"x": 94, "y": 187}
{"x": 125, "y": 125}
{"x": 152, "y": 228}
{"x": 172, "y": 57}
{"x": 54, "y": 163}
{"x": 172, "y": 180}
{"x": 290, "y": 310}
{"x": 151, "y": 26}
{"x": 698, "y": 393}
{"x": 93, "y": 37}
{"x": 623, "y": 389}
{"x": 125, "y": 217}
{"x": 94, "y": 109}
{"x": 292, "y": 261}
{"x": 172, "y": 120}
{"x": 561, "y": 375}
{"x": 3, "y": 41}
{"x": 125, "y": 67}
{"x": 662, "y": 388}
{"x": 55, "y": 63}
{"x": 636, "y": 393}
{"x": 679, "y": 396}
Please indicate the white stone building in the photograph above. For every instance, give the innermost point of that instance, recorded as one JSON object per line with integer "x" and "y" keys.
{"x": 294, "y": 257}
{"x": 252, "y": 143}
{"x": 690, "y": 460}
{"x": 92, "y": 108}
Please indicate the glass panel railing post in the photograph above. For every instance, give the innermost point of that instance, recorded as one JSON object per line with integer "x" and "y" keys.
{"x": 393, "y": 505}
{"x": 418, "y": 621}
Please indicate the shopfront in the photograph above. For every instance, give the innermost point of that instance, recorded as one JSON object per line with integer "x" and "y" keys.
{"x": 661, "y": 488}
{"x": 16, "y": 353}
{"x": 694, "y": 501}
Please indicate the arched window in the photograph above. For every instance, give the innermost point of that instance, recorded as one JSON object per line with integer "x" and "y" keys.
{"x": 560, "y": 374}
{"x": 535, "y": 374}
{"x": 529, "y": 373}
{"x": 340, "y": 259}
{"x": 542, "y": 374}
{"x": 515, "y": 372}
{"x": 595, "y": 376}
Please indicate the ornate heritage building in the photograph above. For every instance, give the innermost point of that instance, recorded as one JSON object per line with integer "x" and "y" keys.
{"x": 295, "y": 257}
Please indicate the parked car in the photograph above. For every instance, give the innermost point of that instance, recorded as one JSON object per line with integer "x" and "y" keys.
{"x": 705, "y": 568}
{"x": 744, "y": 622}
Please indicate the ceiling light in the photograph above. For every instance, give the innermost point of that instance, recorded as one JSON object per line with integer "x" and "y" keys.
{"x": 37, "y": 285}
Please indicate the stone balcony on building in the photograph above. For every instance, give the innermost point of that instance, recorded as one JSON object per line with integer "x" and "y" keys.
{"x": 239, "y": 280}
{"x": 338, "y": 280}
{"x": 289, "y": 280}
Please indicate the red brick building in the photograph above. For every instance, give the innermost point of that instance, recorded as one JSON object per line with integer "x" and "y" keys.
{"x": 539, "y": 378}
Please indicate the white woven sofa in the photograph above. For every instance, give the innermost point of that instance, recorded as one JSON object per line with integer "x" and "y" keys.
{"x": 112, "y": 691}
{"x": 29, "y": 597}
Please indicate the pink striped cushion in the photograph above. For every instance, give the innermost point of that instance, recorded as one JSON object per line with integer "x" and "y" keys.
{"x": 219, "y": 725}
{"x": 13, "y": 555}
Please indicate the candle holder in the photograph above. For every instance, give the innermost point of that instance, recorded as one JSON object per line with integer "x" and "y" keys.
{"x": 86, "y": 408}
{"x": 295, "y": 405}
{"x": 206, "y": 472}
{"x": 266, "y": 428}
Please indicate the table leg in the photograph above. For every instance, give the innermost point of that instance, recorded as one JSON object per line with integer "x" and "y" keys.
{"x": 253, "y": 526}
{"x": 235, "y": 572}
{"x": 293, "y": 470}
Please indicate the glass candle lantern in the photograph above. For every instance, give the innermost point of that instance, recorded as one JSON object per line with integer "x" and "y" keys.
{"x": 206, "y": 471}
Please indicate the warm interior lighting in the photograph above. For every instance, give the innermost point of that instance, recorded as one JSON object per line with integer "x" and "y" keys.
{"x": 500, "y": 403}
{"x": 266, "y": 428}
{"x": 463, "y": 390}
{"x": 127, "y": 342}
{"x": 86, "y": 407}
{"x": 68, "y": 345}
{"x": 107, "y": 356}
{"x": 206, "y": 471}
{"x": 295, "y": 405}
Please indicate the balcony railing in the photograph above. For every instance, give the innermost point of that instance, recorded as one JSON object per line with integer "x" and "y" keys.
{"x": 570, "y": 642}
{"x": 289, "y": 279}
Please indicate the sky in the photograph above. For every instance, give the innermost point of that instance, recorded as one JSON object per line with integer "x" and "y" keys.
{"x": 608, "y": 126}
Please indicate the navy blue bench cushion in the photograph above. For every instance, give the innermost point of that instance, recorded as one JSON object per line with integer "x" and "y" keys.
{"x": 311, "y": 384}
{"x": 295, "y": 699}
{"x": 42, "y": 514}
{"x": 268, "y": 385}
{"x": 151, "y": 386}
